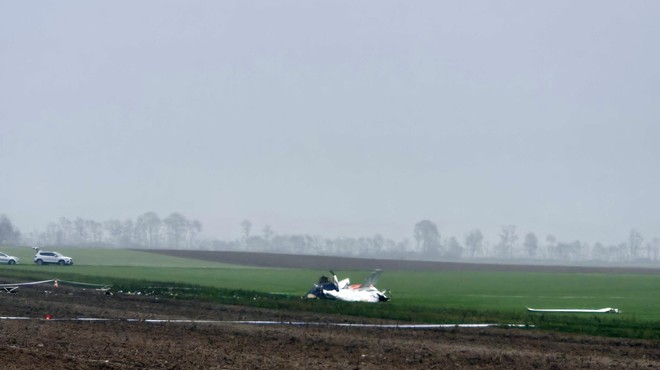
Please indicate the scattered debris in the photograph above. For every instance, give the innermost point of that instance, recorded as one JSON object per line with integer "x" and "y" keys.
{"x": 575, "y": 310}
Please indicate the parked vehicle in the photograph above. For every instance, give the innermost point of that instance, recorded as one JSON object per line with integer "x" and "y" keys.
{"x": 46, "y": 257}
{"x": 10, "y": 260}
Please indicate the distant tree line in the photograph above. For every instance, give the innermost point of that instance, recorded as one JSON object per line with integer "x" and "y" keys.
{"x": 509, "y": 246}
{"x": 146, "y": 231}
{"x": 428, "y": 243}
{"x": 176, "y": 231}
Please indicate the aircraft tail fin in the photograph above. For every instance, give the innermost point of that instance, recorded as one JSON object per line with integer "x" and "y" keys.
{"x": 372, "y": 279}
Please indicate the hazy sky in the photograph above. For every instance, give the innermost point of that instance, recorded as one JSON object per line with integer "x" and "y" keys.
{"x": 334, "y": 117}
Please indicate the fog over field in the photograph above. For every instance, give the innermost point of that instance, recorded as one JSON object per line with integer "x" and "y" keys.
{"x": 342, "y": 118}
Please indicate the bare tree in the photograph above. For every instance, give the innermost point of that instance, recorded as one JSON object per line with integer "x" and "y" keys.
{"x": 454, "y": 249}
{"x": 550, "y": 244}
{"x": 115, "y": 231}
{"x": 128, "y": 233}
{"x": 148, "y": 227}
{"x": 246, "y": 225}
{"x": 66, "y": 228}
{"x": 474, "y": 243}
{"x": 176, "y": 225}
{"x": 508, "y": 239}
{"x": 599, "y": 252}
{"x": 377, "y": 243}
{"x": 428, "y": 238}
{"x": 80, "y": 231}
{"x": 95, "y": 230}
{"x": 635, "y": 241}
{"x": 403, "y": 247}
{"x": 194, "y": 228}
{"x": 268, "y": 233}
{"x": 531, "y": 244}
{"x": 653, "y": 247}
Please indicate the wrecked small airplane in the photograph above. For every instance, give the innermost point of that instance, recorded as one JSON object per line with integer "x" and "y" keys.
{"x": 344, "y": 291}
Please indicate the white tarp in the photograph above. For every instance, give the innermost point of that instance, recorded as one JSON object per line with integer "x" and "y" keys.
{"x": 575, "y": 310}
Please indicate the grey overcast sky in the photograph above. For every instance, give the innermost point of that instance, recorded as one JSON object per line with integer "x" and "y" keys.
{"x": 337, "y": 118}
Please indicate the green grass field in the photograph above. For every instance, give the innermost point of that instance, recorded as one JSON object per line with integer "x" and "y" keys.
{"x": 416, "y": 296}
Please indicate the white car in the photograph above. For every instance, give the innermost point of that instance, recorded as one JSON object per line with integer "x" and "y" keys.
{"x": 45, "y": 257}
{"x": 10, "y": 260}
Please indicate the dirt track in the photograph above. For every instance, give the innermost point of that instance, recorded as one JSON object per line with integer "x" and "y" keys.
{"x": 122, "y": 344}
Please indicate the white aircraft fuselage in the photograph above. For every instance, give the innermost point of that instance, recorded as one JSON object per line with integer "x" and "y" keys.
{"x": 344, "y": 291}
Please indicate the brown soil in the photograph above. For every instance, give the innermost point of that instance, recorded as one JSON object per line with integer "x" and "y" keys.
{"x": 226, "y": 344}
{"x": 345, "y": 263}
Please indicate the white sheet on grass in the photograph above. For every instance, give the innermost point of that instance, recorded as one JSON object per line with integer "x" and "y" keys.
{"x": 575, "y": 310}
